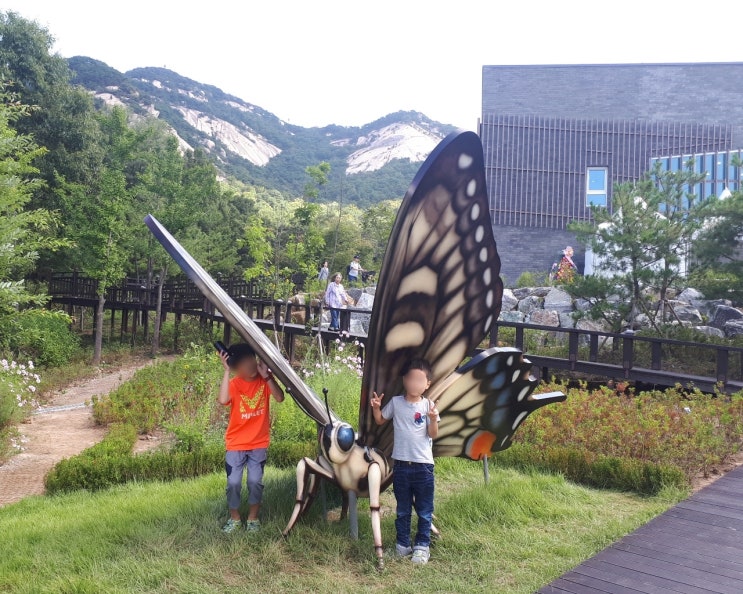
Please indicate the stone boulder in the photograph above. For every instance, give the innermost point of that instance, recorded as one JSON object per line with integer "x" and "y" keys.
{"x": 540, "y": 291}
{"x": 582, "y": 304}
{"x": 708, "y": 306}
{"x": 710, "y": 331}
{"x": 558, "y": 300}
{"x": 529, "y": 304}
{"x": 567, "y": 320}
{"x": 684, "y": 312}
{"x": 511, "y": 316}
{"x": 360, "y": 321}
{"x": 355, "y": 294}
{"x": 723, "y": 315}
{"x": 593, "y": 325}
{"x": 521, "y": 293}
{"x": 509, "y": 302}
{"x": 734, "y": 328}
{"x": 544, "y": 317}
{"x": 690, "y": 296}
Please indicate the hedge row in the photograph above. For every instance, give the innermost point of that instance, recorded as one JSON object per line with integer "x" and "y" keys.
{"x": 111, "y": 462}
{"x": 605, "y": 472}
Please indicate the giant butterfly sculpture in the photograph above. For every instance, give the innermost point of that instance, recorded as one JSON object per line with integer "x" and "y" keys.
{"x": 439, "y": 293}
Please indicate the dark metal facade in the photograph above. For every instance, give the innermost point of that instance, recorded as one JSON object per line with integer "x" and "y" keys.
{"x": 536, "y": 166}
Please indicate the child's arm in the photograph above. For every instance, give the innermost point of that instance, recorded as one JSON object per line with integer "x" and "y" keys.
{"x": 273, "y": 385}
{"x": 376, "y": 404}
{"x": 433, "y": 421}
{"x": 224, "y": 388}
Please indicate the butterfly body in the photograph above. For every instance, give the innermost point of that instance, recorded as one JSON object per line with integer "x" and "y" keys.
{"x": 439, "y": 294}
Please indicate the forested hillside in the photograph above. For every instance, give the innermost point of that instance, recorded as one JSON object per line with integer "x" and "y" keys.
{"x": 368, "y": 164}
{"x": 78, "y": 175}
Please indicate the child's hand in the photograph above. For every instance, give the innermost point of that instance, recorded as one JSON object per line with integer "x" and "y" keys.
{"x": 376, "y": 401}
{"x": 263, "y": 369}
{"x": 224, "y": 356}
{"x": 433, "y": 412}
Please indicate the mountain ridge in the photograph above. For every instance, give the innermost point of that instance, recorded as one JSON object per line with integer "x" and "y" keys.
{"x": 369, "y": 163}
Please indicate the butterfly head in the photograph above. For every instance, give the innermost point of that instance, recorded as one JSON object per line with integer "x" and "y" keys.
{"x": 337, "y": 441}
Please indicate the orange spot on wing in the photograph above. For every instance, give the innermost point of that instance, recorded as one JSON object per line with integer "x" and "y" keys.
{"x": 480, "y": 445}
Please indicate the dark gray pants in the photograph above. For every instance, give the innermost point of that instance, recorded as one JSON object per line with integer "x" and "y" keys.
{"x": 235, "y": 464}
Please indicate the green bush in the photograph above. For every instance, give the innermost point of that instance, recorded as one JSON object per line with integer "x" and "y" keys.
{"x": 694, "y": 432}
{"x": 531, "y": 279}
{"x": 44, "y": 337}
{"x": 286, "y": 454}
{"x": 595, "y": 470}
{"x": 112, "y": 463}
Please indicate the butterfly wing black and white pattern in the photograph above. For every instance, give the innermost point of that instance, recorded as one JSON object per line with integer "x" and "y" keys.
{"x": 439, "y": 291}
{"x": 483, "y": 403}
{"x": 305, "y": 398}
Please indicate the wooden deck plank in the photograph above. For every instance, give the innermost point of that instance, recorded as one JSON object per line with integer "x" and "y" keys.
{"x": 674, "y": 572}
{"x": 731, "y": 559}
{"x": 720, "y": 567}
{"x": 696, "y": 547}
{"x": 630, "y": 578}
{"x": 575, "y": 582}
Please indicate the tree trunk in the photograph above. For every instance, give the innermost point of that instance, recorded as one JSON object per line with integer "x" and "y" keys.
{"x": 158, "y": 312}
{"x": 98, "y": 345}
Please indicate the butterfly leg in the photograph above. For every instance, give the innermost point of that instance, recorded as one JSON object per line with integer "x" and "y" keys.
{"x": 375, "y": 486}
{"x": 308, "y": 473}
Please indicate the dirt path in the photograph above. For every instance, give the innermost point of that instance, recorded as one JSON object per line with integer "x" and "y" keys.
{"x": 62, "y": 428}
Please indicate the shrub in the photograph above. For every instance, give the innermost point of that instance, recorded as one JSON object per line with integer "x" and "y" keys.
{"x": 45, "y": 337}
{"x": 286, "y": 454}
{"x": 596, "y": 470}
{"x": 112, "y": 463}
{"x": 18, "y": 385}
{"x": 692, "y": 431}
{"x": 530, "y": 279}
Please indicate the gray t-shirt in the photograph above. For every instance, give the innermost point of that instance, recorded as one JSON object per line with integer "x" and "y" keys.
{"x": 410, "y": 422}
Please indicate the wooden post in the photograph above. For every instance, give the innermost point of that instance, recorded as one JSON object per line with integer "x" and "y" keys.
{"x": 485, "y": 469}
{"x": 124, "y": 323}
{"x": 113, "y": 323}
{"x": 176, "y": 331}
{"x": 135, "y": 319}
{"x": 227, "y": 334}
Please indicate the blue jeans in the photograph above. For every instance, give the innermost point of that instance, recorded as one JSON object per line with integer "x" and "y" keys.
{"x": 414, "y": 486}
{"x": 236, "y": 462}
{"x": 335, "y": 318}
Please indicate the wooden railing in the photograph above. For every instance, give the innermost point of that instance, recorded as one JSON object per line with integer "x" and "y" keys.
{"x": 589, "y": 353}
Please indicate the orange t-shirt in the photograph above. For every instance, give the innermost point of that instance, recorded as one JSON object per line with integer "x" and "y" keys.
{"x": 249, "y": 425}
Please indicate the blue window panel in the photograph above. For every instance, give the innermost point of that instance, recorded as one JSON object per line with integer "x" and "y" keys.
{"x": 675, "y": 163}
{"x": 734, "y": 187}
{"x": 596, "y": 199}
{"x": 597, "y": 179}
{"x": 720, "y": 188}
{"x": 663, "y": 164}
{"x": 699, "y": 191}
{"x": 686, "y": 161}
{"x": 709, "y": 165}
{"x": 721, "y": 166}
{"x": 708, "y": 189}
{"x": 698, "y": 163}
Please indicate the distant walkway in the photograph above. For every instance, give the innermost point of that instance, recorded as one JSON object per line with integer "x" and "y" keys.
{"x": 696, "y": 547}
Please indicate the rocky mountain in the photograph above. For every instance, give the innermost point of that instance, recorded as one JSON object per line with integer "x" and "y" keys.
{"x": 369, "y": 163}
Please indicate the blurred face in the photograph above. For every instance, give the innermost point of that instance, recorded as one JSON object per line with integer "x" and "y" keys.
{"x": 246, "y": 368}
{"x": 337, "y": 278}
{"x": 416, "y": 382}
{"x": 569, "y": 252}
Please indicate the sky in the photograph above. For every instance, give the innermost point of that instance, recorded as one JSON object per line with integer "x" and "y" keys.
{"x": 350, "y": 62}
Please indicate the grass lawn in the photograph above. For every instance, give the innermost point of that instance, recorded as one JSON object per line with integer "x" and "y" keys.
{"x": 514, "y": 535}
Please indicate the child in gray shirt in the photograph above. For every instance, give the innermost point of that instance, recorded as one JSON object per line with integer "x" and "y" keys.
{"x": 416, "y": 425}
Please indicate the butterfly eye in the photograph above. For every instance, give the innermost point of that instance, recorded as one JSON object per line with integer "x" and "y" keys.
{"x": 345, "y": 437}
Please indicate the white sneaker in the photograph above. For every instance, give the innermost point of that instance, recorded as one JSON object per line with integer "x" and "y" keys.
{"x": 403, "y": 551}
{"x": 421, "y": 555}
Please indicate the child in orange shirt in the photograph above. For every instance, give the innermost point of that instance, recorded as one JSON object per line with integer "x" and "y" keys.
{"x": 247, "y": 437}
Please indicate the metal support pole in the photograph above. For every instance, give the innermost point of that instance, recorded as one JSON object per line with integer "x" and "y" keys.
{"x": 353, "y": 515}
{"x": 323, "y": 500}
{"x": 485, "y": 469}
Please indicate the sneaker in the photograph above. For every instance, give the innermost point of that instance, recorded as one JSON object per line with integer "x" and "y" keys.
{"x": 231, "y": 526}
{"x": 421, "y": 555}
{"x": 403, "y": 551}
{"x": 253, "y": 525}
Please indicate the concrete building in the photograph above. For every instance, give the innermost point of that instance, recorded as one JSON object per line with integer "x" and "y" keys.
{"x": 557, "y": 138}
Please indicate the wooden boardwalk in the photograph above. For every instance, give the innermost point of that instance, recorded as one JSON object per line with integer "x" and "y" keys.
{"x": 696, "y": 547}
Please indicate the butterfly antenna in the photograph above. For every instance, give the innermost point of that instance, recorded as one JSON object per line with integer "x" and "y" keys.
{"x": 327, "y": 406}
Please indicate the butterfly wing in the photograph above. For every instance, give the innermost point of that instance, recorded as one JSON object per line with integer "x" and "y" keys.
{"x": 483, "y": 403}
{"x": 439, "y": 291}
{"x": 305, "y": 398}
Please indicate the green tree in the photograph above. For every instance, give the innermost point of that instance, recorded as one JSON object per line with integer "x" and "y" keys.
{"x": 23, "y": 231}
{"x": 718, "y": 269}
{"x": 642, "y": 244}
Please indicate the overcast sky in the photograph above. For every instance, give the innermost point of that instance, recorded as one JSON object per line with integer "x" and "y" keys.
{"x": 351, "y": 62}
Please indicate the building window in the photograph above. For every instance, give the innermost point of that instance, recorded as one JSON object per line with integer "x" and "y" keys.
{"x": 597, "y": 180}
